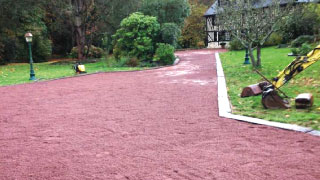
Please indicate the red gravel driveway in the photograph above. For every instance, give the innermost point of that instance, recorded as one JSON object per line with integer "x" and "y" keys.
{"x": 150, "y": 125}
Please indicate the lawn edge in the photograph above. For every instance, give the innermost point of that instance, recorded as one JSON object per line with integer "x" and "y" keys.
{"x": 176, "y": 62}
{"x": 226, "y": 111}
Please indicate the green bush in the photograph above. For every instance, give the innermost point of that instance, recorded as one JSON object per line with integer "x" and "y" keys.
{"x": 122, "y": 62}
{"x": 164, "y": 54}
{"x": 295, "y": 51}
{"x": 94, "y": 52}
{"x": 170, "y": 33}
{"x": 274, "y": 39}
{"x": 305, "y": 49}
{"x": 302, "y": 39}
{"x": 235, "y": 45}
{"x": 136, "y": 37}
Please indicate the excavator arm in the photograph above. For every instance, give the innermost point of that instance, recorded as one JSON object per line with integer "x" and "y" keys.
{"x": 270, "y": 97}
{"x": 269, "y": 89}
{"x": 295, "y": 67}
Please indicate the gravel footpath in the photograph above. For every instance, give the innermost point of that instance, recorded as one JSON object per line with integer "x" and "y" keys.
{"x": 158, "y": 124}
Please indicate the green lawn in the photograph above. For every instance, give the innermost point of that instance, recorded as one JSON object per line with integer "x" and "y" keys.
{"x": 19, "y": 73}
{"x": 274, "y": 60}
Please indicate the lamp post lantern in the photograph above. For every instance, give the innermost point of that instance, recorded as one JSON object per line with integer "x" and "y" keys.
{"x": 28, "y": 37}
{"x": 246, "y": 58}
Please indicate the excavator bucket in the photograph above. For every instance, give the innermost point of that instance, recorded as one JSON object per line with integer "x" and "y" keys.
{"x": 254, "y": 89}
{"x": 272, "y": 100}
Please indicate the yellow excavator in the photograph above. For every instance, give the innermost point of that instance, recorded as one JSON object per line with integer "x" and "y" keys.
{"x": 270, "y": 89}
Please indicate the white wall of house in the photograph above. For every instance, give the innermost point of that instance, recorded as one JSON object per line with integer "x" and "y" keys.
{"x": 215, "y": 45}
{"x": 213, "y": 36}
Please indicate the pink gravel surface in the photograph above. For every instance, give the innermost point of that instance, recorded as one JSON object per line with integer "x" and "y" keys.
{"x": 150, "y": 125}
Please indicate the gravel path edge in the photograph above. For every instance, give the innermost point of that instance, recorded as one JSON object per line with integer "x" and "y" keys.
{"x": 226, "y": 111}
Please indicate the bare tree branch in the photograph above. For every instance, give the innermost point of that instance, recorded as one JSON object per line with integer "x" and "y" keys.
{"x": 252, "y": 21}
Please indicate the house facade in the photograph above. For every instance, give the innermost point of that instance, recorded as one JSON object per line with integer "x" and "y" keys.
{"x": 216, "y": 37}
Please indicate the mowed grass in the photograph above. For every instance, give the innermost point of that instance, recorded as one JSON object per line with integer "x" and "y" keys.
{"x": 274, "y": 60}
{"x": 20, "y": 72}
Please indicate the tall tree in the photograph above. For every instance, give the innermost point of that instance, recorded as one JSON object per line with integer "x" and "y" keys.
{"x": 90, "y": 18}
{"x": 252, "y": 22}
{"x": 60, "y": 27}
{"x": 193, "y": 34}
{"x": 167, "y": 11}
{"x": 84, "y": 18}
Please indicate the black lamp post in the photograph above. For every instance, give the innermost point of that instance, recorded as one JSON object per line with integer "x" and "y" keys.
{"x": 246, "y": 58}
{"x": 28, "y": 37}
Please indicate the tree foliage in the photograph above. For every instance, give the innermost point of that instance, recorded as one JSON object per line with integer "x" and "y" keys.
{"x": 170, "y": 33}
{"x": 207, "y": 3}
{"x": 17, "y": 18}
{"x": 167, "y": 11}
{"x": 193, "y": 31}
{"x": 306, "y": 21}
{"x": 252, "y": 23}
{"x": 60, "y": 25}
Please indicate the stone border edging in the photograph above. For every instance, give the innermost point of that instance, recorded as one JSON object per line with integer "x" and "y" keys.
{"x": 226, "y": 111}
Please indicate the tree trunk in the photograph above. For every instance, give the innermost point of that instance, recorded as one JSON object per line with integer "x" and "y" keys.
{"x": 253, "y": 61}
{"x": 258, "y": 56}
{"x": 78, "y": 11}
{"x": 80, "y": 38}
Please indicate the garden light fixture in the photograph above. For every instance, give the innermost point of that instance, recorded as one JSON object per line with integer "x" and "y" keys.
{"x": 246, "y": 58}
{"x": 28, "y": 37}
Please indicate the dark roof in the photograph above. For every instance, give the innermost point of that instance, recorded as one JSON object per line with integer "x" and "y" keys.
{"x": 260, "y": 3}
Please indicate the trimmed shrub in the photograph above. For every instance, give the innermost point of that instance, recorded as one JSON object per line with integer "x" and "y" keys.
{"x": 164, "y": 54}
{"x": 136, "y": 37}
{"x": 192, "y": 32}
{"x": 94, "y": 52}
{"x": 170, "y": 33}
{"x": 235, "y": 45}
{"x": 301, "y": 39}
